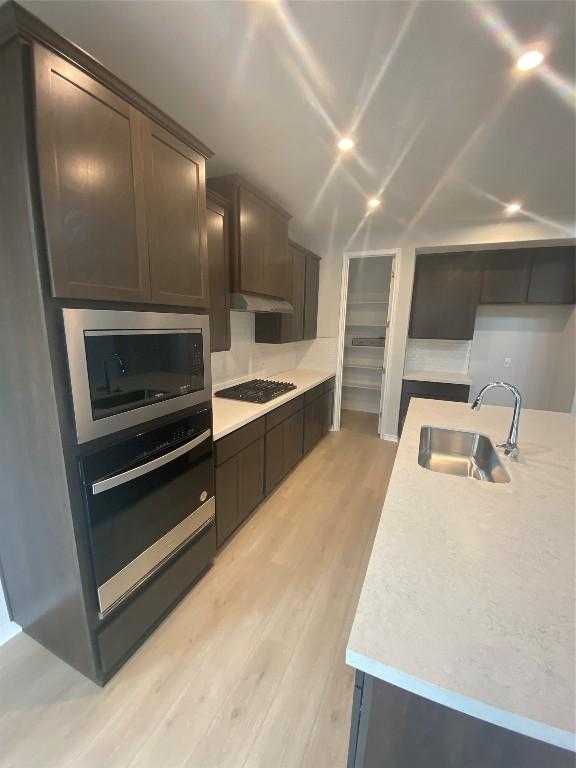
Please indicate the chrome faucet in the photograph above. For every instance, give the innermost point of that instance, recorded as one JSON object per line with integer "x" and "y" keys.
{"x": 511, "y": 445}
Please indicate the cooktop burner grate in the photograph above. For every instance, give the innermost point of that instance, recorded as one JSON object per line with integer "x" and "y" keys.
{"x": 256, "y": 390}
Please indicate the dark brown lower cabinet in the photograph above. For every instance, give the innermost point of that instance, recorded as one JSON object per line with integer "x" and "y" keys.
{"x": 239, "y": 477}
{"x": 253, "y": 460}
{"x": 317, "y": 413}
{"x": 274, "y": 457}
{"x": 283, "y": 449}
{"x": 293, "y": 440}
{"x": 312, "y": 424}
{"x": 394, "y": 728}
{"x": 327, "y": 411}
{"x": 429, "y": 390}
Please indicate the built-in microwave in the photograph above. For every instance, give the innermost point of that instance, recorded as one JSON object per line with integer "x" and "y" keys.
{"x": 127, "y": 368}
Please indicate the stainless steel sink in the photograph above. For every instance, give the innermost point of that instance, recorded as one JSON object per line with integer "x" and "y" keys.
{"x": 465, "y": 454}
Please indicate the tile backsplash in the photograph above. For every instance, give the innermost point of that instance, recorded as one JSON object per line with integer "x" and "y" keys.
{"x": 437, "y": 355}
{"x": 246, "y": 359}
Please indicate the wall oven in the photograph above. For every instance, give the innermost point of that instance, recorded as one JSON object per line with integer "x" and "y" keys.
{"x": 147, "y": 497}
{"x": 127, "y": 368}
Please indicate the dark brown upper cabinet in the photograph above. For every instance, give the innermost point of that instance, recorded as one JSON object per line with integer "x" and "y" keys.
{"x": 553, "y": 277}
{"x": 445, "y": 296}
{"x": 311, "y": 295}
{"x": 281, "y": 328}
{"x": 505, "y": 276}
{"x": 278, "y": 262}
{"x": 123, "y": 198}
{"x": 259, "y": 239}
{"x": 92, "y": 185}
{"x": 175, "y": 187}
{"x": 252, "y": 234}
{"x": 217, "y": 226}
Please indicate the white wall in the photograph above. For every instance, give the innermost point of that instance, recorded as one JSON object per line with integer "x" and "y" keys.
{"x": 409, "y": 243}
{"x": 541, "y": 344}
{"x": 246, "y": 359}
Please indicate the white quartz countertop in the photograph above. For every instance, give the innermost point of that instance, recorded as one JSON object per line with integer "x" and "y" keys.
{"x": 469, "y": 596}
{"x": 229, "y": 415}
{"x": 444, "y": 377}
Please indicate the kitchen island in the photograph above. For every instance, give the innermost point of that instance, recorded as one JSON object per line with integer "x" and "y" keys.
{"x": 464, "y": 631}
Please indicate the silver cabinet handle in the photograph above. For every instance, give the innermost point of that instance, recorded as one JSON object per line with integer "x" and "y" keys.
{"x": 144, "y": 469}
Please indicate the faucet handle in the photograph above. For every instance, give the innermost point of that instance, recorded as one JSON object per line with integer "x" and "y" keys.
{"x": 512, "y": 452}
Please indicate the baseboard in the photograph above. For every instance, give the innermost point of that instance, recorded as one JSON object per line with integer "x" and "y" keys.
{"x": 390, "y": 438}
{"x": 7, "y": 631}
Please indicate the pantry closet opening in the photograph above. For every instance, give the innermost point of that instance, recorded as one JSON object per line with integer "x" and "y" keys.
{"x": 365, "y": 318}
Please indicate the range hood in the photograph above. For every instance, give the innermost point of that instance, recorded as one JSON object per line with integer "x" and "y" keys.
{"x": 246, "y": 302}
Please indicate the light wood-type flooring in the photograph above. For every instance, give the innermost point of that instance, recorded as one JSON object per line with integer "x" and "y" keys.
{"x": 248, "y": 671}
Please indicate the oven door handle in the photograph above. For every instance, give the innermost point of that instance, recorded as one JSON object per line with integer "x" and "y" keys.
{"x": 150, "y": 466}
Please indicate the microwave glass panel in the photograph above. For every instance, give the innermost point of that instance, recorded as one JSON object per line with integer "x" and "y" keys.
{"x": 129, "y": 369}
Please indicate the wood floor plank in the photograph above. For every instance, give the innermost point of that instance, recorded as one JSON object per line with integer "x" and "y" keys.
{"x": 249, "y": 670}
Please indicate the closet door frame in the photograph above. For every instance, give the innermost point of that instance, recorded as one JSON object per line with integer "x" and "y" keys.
{"x": 385, "y": 389}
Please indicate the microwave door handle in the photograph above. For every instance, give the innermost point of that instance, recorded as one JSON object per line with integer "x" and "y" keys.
{"x": 150, "y": 466}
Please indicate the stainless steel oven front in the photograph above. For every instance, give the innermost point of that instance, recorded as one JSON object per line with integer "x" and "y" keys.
{"x": 127, "y": 368}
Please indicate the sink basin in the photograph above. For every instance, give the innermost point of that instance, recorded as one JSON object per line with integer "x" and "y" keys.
{"x": 465, "y": 454}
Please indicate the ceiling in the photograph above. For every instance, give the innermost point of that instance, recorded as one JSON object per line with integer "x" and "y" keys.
{"x": 446, "y": 129}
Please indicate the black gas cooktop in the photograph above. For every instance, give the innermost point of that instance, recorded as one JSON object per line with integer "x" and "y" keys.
{"x": 256, "y": 390}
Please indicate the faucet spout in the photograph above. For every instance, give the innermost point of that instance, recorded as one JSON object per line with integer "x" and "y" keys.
{"x": 511, "y": 445}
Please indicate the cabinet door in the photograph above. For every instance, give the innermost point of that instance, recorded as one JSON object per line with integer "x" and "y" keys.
{"x": 429, "y": 390}
{"x": 278, "y": 272}
{"x": 293, "y": 440}
{"x": 312, "y": 424}
{"x": 251, "y": 477}
{"x": 553, "y": 276}
{"x": 218, "y": 259}
{"x": 280, "y": 328}
{"x": 296, "y": 320}
{"x": 327, "y": 400}
{"x": 253, "y": 213}
{"x": 275, "y": 463}
{"x": 445, "y": 296}
{"x": 505, "y": 277}
{"x": 92, "y": 187}
{"x": 176, "y": 214}
{"x": 227, "y": 498}
{"x": 311, "y": 297}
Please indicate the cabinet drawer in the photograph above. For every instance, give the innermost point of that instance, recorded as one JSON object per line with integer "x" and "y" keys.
{"x": 313, "y": 394}
{"x": 135, "y": 622}
{"x": 278, "y": 415}
{"x": 233, "y": 443}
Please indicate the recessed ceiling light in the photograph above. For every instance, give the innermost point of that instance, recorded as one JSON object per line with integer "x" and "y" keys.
{"x": 374, "y": 202}
{"x": 513, "y": 208}
{"x": 345, "y": 143}
{"x": 530, "y": 60}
